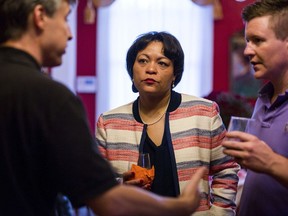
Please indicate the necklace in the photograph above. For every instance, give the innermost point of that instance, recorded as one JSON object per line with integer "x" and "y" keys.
{"x": 158, "y": 119}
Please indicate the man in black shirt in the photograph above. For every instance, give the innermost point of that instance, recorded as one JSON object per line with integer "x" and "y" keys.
{"x": 45, "y": 143}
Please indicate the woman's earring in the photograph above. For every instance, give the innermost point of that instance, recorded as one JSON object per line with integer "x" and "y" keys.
{"x": 134, "y": 89}
{"x": 173, "y": 85}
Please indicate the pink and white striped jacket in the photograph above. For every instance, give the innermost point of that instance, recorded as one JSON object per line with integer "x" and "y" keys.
{"x": 196, "y": 131}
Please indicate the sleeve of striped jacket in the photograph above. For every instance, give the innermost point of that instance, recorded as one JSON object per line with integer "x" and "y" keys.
{"x": 223, "y": 171}
{"x": 101, "y": 136}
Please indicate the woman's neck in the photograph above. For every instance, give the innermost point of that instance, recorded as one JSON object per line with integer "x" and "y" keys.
{"x": 152, "y": 111}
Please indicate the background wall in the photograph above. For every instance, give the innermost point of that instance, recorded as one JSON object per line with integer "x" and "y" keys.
{"x": 223, "y": 30}
{"x": 86, "y": 58}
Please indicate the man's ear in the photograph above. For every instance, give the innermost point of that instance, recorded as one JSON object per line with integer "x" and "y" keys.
{"x": 39, "y": 16}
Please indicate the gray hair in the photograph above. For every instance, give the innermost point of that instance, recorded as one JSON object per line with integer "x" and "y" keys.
{"x": 14, "y": 15}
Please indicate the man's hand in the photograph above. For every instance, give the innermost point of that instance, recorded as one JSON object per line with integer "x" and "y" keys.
{"x": 249, "y": 151}
{"x": 191, "y": 192}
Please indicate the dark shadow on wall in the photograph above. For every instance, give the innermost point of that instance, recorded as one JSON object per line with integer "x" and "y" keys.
{"x": 231, "y": 104}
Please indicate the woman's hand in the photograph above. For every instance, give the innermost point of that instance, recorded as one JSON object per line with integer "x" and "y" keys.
{"x": 129, "y": 179}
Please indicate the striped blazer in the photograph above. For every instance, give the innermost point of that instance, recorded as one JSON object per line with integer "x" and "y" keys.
{"x": 196, "y": 131}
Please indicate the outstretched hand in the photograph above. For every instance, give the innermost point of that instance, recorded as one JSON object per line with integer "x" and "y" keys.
{"x": 191, "y": 191}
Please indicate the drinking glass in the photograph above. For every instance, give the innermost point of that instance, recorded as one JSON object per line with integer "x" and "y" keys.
{"x": 239, "y": 123}
{"x": 144, "y": 160}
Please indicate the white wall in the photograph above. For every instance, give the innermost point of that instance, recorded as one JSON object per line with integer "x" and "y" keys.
{"x": 66, "y": 73}
{"x": 120, "y": 24}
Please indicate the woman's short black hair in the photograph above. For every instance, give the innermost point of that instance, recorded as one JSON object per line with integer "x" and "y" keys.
{"x": 172, "y": 50}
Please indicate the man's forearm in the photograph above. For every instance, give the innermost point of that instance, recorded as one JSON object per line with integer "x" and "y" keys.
{"x": 130, "y": 200}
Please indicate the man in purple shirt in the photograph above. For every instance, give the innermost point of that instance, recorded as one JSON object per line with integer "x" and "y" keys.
{"x": 264, "y": 152}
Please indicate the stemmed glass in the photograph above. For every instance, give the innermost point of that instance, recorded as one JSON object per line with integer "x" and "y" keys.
{"x": 144, "y": 160}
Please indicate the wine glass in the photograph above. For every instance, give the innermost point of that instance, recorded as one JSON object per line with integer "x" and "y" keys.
{"x": 144, "y": 160}
{"x": 239, "y": 123}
